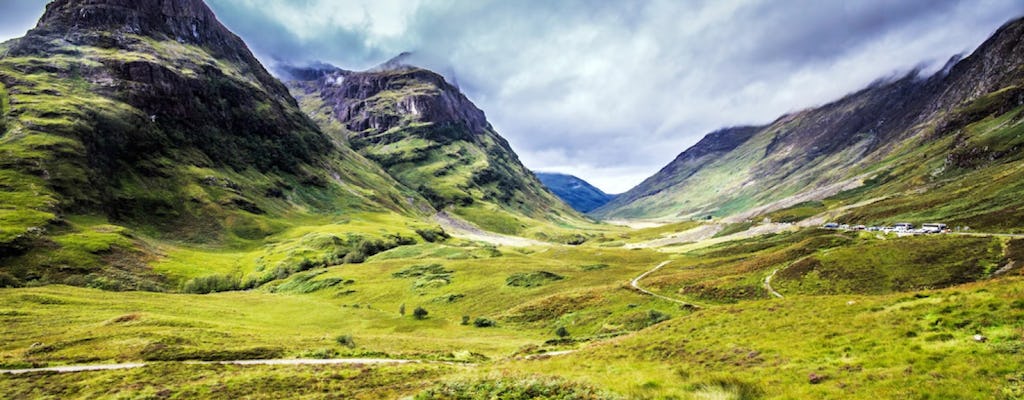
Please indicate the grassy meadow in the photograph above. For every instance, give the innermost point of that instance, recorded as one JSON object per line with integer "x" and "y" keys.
{"x": 863, "y": 316}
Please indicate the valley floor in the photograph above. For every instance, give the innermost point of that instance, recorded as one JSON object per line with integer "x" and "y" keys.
{"x": 863, "y": 316}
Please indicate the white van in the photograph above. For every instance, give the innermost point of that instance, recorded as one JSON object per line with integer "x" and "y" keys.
{"x": 903, "y": 227}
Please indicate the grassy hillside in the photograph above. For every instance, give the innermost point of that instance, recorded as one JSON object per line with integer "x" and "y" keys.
{"x": 943, "y": 147}
{"x": 431, "y": 138}
{"x": 101, "y": 170}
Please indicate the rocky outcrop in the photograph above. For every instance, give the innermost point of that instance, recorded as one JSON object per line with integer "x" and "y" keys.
{"x": 427, "y": 134}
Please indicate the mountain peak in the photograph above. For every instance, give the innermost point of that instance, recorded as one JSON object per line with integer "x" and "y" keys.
{"x": 112, "y": 23}
{"x": 399, "y": 62}
{"x": 184, "y": 20}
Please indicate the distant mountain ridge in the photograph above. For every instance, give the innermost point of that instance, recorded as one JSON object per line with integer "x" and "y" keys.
{"x": 893, "y": 140}
{"x": 576, "y": 192}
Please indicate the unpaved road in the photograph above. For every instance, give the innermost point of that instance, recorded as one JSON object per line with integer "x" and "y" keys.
{"x": 768, "y": 284}
{"x": 462, "y": 229}
{"x": 635, "y": 283}
{"x": 288, "y": 361}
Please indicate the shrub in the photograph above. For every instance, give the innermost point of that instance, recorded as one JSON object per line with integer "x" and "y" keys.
{"x": 513, "y": 389}
{"x": 345, "y": 340}
{"x": 427, "y": 276}
{"x": 465, "y": 320}
{"x": 481, "y": 322}
{"x": 420, "y": 313}
{"x": 213, "y": 283}
{"x": 561, "y": 332}
{"x": 656, "y": 316}
{"x": 8, "y": 281}
{"x": 532, "y": 279}
{"x": 433, "y": 235}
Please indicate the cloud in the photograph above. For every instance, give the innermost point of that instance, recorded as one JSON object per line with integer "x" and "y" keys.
{"x": 614, "y": 90}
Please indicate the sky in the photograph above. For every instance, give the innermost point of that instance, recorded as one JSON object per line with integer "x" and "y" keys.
{"x": 611, "y": 91}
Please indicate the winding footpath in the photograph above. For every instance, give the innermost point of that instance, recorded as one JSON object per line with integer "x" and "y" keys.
{"x": 768, "y": 284}
{"x": 282, "y": 361}
{"x": 635, "y": 283}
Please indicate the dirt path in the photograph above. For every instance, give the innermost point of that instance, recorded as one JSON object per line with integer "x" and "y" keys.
{"x": 289, "y": 361}
{"x": 462, "y": 229}
{"x": 74, "y": 368}
{"x": 768, "y": 284}
{"x": 635, "y": 283}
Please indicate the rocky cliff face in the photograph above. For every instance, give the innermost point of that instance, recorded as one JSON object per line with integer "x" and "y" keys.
{"x": 815, "y": 153}
{"x": 150, "y": 115}
{"x": 428, "y": 135}
{"x": 172, "y": 61}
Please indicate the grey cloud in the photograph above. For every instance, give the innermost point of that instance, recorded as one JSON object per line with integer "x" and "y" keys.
{"x": 613, "y": 90}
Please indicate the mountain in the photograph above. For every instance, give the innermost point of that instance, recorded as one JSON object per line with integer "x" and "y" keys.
{"x": 429, "y": 136}
{"x": 944, "y": 146}
{"x": 125, "y": 122}
{"x": 576, "y": 192}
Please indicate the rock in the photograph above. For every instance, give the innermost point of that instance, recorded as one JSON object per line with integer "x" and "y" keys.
{"x": 980, "y": 338}
{"x": 815, "y": 379}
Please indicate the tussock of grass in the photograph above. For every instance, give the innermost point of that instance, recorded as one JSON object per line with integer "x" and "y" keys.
{"x": 532, "y": 279}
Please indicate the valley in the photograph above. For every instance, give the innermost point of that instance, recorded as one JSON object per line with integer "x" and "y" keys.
{"x": 177, "y": 222}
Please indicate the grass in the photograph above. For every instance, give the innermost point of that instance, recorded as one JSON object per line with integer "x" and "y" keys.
{"x": 630, "y": 345}
{"x": 362, "y": 300}
{"x": 900, "y": 264}
{"x": 175, "y": 380}
{"x": 889, "y": 346}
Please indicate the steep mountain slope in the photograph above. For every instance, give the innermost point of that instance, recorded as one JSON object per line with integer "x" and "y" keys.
{"x": 430, "y": 137}
{"x": 910, "y": 140}
{"x": 576, "y": 192}
{"x": 125, "y": 117}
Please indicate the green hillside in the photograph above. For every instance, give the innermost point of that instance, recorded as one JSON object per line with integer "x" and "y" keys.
{"x": 431, "y": 138}
{"x": 117, "y": 145}
{"x": 944, "y": 147}
{"x": 175, "y": 224}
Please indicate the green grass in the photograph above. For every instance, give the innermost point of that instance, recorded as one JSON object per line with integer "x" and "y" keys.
{"x": 175, "y": 380}
{"x": 898, "y": 264}
{"x": 890, "y": 346}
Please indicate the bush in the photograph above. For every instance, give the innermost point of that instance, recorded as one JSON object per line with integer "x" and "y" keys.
{"x": 513, "y": 389}
{"x": 420, "y": 313}
{"x": 465, "y": 320}
{"x": 532, "y": 279}
{"x": 656, "y": 316}
{"x": 213, "y": 284}
{"x": 8, "y": 281}
{"x": 561, "y": 332}
{"x": 433, "y": 235}
{"x": 346, "y": 340}
{"x": 481, "y": 322}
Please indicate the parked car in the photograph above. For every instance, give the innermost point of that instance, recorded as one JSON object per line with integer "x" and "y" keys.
{"x": 903, "y": 227}
{"x": 934, "y": 228}
{"x": 831, "y": 225}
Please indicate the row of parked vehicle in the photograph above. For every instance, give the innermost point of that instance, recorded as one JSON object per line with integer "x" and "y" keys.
{"x": 902, "y": 227}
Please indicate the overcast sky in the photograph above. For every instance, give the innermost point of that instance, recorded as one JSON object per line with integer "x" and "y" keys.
{"x": 611, "y": 91}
